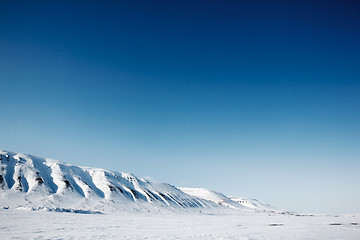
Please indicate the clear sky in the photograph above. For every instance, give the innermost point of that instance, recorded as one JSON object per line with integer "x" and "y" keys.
{"x": 250, "y": 98}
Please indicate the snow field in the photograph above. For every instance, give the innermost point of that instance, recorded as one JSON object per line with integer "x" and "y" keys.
{"x": 25, "y": 224}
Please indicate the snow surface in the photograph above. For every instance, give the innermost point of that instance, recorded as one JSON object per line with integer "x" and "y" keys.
{"x": 236, "y": 224}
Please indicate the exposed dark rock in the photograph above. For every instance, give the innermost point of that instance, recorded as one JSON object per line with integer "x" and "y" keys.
{"x": 67, "y": 183}
{"x": 19, "y": 187}
{"x": 2, "y": 182}
{"x": 39, "y": 180}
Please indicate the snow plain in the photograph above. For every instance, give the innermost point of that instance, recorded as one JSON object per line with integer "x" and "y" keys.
{"x": 207, "y": 224}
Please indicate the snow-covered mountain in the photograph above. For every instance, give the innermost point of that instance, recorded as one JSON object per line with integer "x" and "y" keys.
{"x": 34, "y": 182}
{"x": 212, "y": 196}
{"x": 253, "y": 203}
{"x": 31, "y": 181}
{"x": 231, "y": 202}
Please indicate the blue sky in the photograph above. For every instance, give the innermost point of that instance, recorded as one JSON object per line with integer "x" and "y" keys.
{"x": 250, "y": 98}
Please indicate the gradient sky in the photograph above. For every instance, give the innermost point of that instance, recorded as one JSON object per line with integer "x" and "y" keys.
{"x": 250, "y": 98}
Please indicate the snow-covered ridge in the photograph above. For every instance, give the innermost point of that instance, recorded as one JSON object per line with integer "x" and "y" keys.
{"x": 31, "y": 181}
{"x": 253, "y": 203}
{"x": 212, "y": 196}
{"x": 231, "y": 202}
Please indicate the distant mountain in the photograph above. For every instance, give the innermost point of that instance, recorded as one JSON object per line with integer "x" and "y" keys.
{"x": 35, "y": 182}
{"x": 232, "y": 202}
{"x": 27, "y": 180}
{"x": 253, "y": 203}
{"x": 212, "y": 196}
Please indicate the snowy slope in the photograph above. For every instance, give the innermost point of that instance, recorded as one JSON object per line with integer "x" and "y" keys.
{"x": 232, "y": 202}
{"x": 212, "y": 196}
{"x": 31, "y": 181}
{"x": 253, "y": 203}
